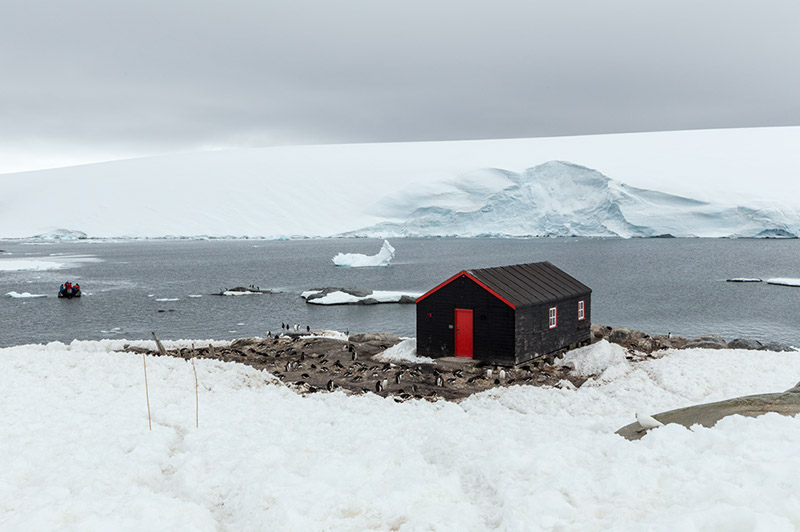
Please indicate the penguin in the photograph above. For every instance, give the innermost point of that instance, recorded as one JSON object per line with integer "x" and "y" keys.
{"x": 308, "y": 328}
{"x": 269, "y": 334}
{"x": 398, "y": 377}
{"x": 288, "y": 366}
{"x": 378, "y": 387}
{"x": 489, "y": 373}
{"x": 439, "y": 380}
{"x": 502, "y": 374}
{"x": 329, "y": 386}
{"x": 414, "y": 388}
{"x": 283, "y": 325}
{"x": 355, "y": 355}
{"x": 384, "y": 383}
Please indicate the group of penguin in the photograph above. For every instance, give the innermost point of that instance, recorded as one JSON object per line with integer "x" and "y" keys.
{"x": 295, "y": 327}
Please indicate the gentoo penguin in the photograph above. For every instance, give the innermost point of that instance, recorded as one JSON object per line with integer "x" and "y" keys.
{"x": 439, "y": 380}
{"x": 355, "y": 355}
{"x": 308, "y": 328}
{"x": 378, "y": 387}
{"x": 329, "y": 386}
{"x": 647, "y": 422}
{"x": 398, "y": 377}
{"x": 502, "y": 374}
{"x": 489, "y": 373}
{"x": 384, "y": 383}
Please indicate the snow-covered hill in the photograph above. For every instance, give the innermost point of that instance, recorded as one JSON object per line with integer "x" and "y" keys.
{"x": 744, "y": 181}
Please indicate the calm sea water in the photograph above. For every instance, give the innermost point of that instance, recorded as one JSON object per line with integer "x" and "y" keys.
{"x": 658, "y": 285}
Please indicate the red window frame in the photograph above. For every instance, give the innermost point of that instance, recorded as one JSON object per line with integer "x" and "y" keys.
{"x": 581, "y": 310}
{"x": 552, "y": 318}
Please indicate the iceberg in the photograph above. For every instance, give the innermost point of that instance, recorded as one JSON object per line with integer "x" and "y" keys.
{"x": 357, "y": 260}
{"x": 784, "y": 281}
{"x": 23, "y": 295}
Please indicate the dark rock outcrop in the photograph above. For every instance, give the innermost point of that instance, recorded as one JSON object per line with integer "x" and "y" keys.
{"x": 707, "y": 415}
{"x": 708, "y": 341}
{"x": 745, "y": 343}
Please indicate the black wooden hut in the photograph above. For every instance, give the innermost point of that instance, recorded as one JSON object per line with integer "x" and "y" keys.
{"x": 504, "y": 315}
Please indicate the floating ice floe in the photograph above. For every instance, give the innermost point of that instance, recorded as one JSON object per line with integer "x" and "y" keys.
{"x": 16, "y": 265}
{"x": 354, "y": 296}
{"x": 168, "y": 299}
{"x": 195, "y": 295}
{"x": 357, "y": 260}
{"x": 785, "y": 281}
{"x": 744, "y": 280}
{"x": 23, "y": 295}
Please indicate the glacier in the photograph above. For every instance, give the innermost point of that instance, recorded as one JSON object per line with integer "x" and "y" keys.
{"x": 560, "y": 198}
{"x": 711, "y": 183}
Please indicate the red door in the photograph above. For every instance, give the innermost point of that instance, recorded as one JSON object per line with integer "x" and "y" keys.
{"x": 464, "y": 332}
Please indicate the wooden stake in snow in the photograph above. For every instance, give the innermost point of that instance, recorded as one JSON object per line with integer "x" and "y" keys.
{"x": 161, "y": 350}
{"x": 196, "y": 396}
{"x": 146, "y": 392}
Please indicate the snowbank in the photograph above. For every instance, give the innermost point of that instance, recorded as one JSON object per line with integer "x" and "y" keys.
{"x": 13, "y": 265}
{"x": 357, "y": 260}
{"x": 23, "y": 295}
{"x": 405, "y": 351}
{"x": 785, "y": 281}
{"x": 263, "y": 457}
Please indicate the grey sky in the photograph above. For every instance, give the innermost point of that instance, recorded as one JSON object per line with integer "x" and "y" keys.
{"x": 89, "y": 80}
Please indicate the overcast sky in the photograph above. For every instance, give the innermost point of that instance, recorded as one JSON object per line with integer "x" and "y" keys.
{"x": 89, "y": 80}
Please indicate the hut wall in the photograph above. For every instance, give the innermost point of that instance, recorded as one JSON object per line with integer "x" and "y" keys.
{"x": 534, "y": 337}
{"x": 492, "y": 326}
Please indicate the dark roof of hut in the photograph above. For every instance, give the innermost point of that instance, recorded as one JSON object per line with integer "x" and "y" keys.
{"x": 524, "y": 285}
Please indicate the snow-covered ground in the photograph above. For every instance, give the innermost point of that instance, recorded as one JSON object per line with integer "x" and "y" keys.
{"x": 327, "y": 190}
{"x": 78, "y": 453}
{"x": 357, "y": 260}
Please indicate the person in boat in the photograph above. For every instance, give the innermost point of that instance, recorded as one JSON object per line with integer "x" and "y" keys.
{"x": 76, "y": 289}
{"x": 61, "y": 290}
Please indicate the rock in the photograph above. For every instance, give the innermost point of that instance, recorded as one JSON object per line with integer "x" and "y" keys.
{"x": 648, "y": 345}
{"x": 796, "y": 389}
{"x": 745, "y": 343}
{"x": 381, "y": 337}
{"x": 708, "y": 341}
{"x": 787, "y": 404}
{"x": 244, "y": 342}
{"x": 600, "y": 331}
{"x": 636, "y": 334}
{"x": 774, "y": 346}
{"x": 407, "y": 300}
{"x": 619, "y": 335}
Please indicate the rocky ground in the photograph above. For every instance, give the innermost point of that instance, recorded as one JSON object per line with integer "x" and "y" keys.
{"x": 312, "y": 364}
{"x": 642, "y": 342}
